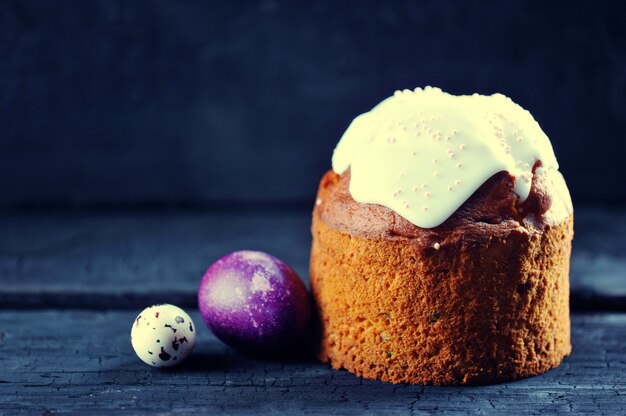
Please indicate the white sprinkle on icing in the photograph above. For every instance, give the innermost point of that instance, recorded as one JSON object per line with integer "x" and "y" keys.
{"x": 487, "y": 129}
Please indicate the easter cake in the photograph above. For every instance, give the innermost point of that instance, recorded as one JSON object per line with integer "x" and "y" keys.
{"x": 441, "y": 244}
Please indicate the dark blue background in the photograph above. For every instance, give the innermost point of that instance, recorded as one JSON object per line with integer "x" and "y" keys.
{"x": 106, "y": 103}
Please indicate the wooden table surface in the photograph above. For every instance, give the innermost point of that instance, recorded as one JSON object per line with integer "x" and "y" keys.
{"x": 71, "y": 285}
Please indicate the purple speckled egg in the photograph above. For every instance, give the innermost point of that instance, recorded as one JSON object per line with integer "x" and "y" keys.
{"x": 254, "y": 302}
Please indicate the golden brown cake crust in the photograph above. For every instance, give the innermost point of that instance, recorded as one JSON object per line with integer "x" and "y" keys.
{"x": 482, "y": 298}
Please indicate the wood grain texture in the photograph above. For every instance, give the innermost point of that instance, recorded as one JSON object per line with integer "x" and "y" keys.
{"x": 71, "y": 362}
{"x": 130, "y": 260}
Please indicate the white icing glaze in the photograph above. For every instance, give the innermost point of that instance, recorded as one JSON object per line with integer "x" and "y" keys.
{"x": 423, "y": 153}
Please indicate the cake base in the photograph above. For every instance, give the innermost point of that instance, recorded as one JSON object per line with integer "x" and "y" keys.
{"x": 472, "y": 309}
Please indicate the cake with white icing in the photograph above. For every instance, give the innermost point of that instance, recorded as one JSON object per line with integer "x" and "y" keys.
{"x": 441, "y": 243}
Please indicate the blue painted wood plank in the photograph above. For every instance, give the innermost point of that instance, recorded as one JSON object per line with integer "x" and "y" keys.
{"x": 57, "y": 362}
{"x": 129, "y": 260}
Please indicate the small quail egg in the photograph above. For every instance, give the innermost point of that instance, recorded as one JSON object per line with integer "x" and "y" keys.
{"x": 163, "y": 335}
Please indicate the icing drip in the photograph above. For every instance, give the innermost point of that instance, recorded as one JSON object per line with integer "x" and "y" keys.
{"x": 423, "y": 153}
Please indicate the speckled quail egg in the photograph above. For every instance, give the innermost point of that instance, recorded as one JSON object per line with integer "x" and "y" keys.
{"x": 163, "y": 335}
